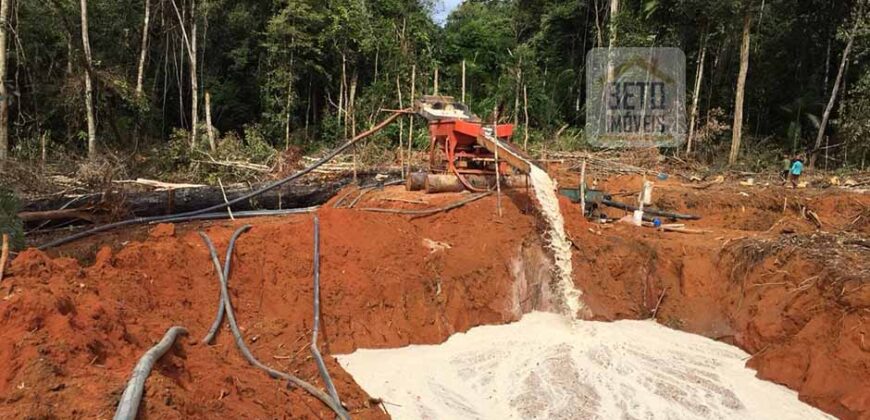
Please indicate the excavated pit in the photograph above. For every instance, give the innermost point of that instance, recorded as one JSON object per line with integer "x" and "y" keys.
{"x": 70, "y": 331}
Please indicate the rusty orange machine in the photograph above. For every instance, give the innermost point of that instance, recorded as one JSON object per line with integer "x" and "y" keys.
{"x": 460, "y": 144}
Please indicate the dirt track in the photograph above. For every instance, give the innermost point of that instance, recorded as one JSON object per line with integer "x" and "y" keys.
{"x": 69, "y": 335}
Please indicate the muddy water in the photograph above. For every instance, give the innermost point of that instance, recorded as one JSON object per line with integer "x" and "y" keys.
{"x": 546, "y": 366}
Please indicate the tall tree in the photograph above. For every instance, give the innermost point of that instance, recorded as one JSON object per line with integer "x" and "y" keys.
{"x": 4, "y": 94}
{"x": 192, "y": 56}
{"x": 836, "y": 88}
{"x": 737, "y": 128}
{"x": 696, "y": 92}
{"x": 143, "y": 53}
{"x": 89, "y": 87}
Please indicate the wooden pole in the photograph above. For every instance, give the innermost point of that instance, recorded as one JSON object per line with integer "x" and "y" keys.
{"x": 401, "y": 129}
{"x": 463, "y": 81}
{"x": 411, "y": 122}
{"x": 43, "y": 140}
{"x": 435, "y": 82}
{"x": 497, "y": 171}
{"x": 4, "y": 103}
{"x": 526, "y": 118}
{"x": 208, "y": 127}
{"x": 4, "y": 254}
{"x": 583, "y": 188}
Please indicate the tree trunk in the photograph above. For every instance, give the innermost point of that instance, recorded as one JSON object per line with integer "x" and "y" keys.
{"x": 287, "y": 108}
{"x": 696, "y": 95}
{"x": 352, "y": 112}
{"x": 599, "y": 41}
{"x": 143, "y": 54}
{"x": 517, "y": 91}
{"x": 208, "y": 127}
{"x": 194, "y": 84}
{"x": 411, "y": 120}
{"x": 4, "y": 100}
{"x": 614, "y": 11}
{"x": 69, "y": 56}
{"x": 401, "y": 128}
{"x": 435, "y": 82}
{"x": 737, "y": 129}
{"x": 89, "y": 88}
{"x": 155, "y": 203}
{"x": 526, "y": 118}
{"x": 343, "y": 94}
{"x": 834, "y": 91}
{"x": 463, "y": 81}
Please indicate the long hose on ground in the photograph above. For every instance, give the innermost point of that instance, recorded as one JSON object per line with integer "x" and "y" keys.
{"x": 240, "y": 341}
{"x": 240, "y": 214}
{"x": 330, "y": 387}
{"x": 182, "y": 216}
{"x": 132, "y": 396}
{"x": 648, "y": 210}
{"x": 226, "y": 273}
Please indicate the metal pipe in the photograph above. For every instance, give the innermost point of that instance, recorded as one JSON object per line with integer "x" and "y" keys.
{"x": 141, "y": 220}
{"x": 243, "y": 348}
{"x": 321, "y": 366}
{"x": 132, "y": 396}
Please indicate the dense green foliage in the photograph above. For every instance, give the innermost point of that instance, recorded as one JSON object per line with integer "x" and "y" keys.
{"x": 284, "y": 69}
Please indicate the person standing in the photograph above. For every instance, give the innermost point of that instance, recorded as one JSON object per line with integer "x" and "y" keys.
{"x": 785, "y": 168}
{"x": 797, "y": 167}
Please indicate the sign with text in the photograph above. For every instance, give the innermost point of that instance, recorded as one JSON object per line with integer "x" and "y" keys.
{"x": 635, "y": 97}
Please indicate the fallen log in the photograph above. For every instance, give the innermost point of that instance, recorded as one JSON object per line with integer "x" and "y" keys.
{"x": 63, "y": 214}
{"x": 159, "y": 185}
{"x": 180, "y": 200}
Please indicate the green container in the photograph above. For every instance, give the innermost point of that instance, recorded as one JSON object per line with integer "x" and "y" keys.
{"x": 573, "y": 194}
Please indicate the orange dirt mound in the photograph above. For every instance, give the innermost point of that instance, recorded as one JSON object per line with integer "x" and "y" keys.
{"x": 70, "y": 335}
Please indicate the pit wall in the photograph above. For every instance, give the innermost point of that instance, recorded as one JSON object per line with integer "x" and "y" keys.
{"x": 787, "y": 307}
{"x": 71, "y": 332}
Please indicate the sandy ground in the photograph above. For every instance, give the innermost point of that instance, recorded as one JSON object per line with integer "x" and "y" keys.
{"x": 546, "y": 366}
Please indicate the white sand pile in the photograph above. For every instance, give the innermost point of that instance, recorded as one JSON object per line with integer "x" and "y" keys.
{"x": 546, "y": 366}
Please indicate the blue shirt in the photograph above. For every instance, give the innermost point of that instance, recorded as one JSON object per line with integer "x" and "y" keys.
{"x": 797, "y": 167}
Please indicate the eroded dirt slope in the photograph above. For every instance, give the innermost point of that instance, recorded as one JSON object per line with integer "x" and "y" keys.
{"x": 70, "y": 334}
{"x": 764, "y": 277}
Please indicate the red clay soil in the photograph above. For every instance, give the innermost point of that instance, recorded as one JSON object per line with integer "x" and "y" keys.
{"x": 71, "y": 334}
{"x": 765, "y": 278}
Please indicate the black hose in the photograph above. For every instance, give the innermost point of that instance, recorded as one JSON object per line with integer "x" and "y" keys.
{"x": 321, "y": 366}
{"x": 240, "y": 214}
{"x": 182, "y": 216}
{"x": 227, "y": 260}
{"x": 651, "y": 211}
{"x": 132, "y": 396}
{"x": 240, "y": 341}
